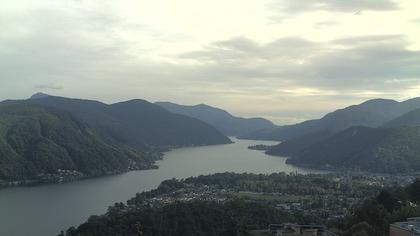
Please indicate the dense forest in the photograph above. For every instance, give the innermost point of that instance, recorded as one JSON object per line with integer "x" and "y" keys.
{"x": 390, "y": 150}
{"x": 36, "y": 143}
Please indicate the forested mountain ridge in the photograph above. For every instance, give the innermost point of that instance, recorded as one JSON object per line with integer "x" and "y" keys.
{"x": 222, "y": 120}
{"x": 45, "y": 136}
{"x": 291, "y": 147}
{"x": 137, "y": 123}
{"x": 36, "y": 142}
{"x": 390, "y": 150}
{"x": 411, "y": 118}
{"x": 389, "y": 147}
{"x": 372, "y": 113}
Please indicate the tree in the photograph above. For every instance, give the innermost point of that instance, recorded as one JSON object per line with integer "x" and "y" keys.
{"x": 374, "y": 214}
{"x": 360, "y": 229}
{"x": 387, "y": 199}
{"x": 414, "y": 190}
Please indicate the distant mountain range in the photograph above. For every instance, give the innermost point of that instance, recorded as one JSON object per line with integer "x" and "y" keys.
{"x": 137, "y": 123}
{"x": 45, "y": 134}
{"x": 222, "y": 120}
{"x": 377, "y": 135}
{"x": 372, "y": 113}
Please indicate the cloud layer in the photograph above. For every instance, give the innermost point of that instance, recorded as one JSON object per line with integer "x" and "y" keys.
{"x": 291, "y": 6}
{"x": 321, "y": 58}
{"x": 345, "y": 63}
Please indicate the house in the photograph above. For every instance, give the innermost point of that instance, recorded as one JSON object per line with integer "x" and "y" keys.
{"x": 409, "y": 228}
{"x": 289, "y": 229}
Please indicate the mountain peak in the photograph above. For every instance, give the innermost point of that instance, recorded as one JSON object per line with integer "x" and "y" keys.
{"x": 39, "y": 95}
{"x": 202, "y": 105}
{"x": 222, "y": 120}
{"x": 378, "y": 101}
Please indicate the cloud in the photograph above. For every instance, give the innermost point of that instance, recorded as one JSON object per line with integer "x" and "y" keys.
{"x": 372, "y": 40}
{"x": 293, "y": 6}
{"x": 48, "y": 86}
{"x": 287, "y": 9}
{"x": 325, "y": 24}
{"x": 365, "y": 62}
{"x": 416, "y": 21}
{"x": 95, "y": 52}
{"x": 60, "y": 45}
{"x": 240, "y": 50}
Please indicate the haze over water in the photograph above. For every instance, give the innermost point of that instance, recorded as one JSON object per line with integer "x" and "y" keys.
{"x": 45, "y": 210}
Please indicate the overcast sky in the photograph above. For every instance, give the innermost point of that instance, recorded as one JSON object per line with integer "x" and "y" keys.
{"x": 286, "y": 60}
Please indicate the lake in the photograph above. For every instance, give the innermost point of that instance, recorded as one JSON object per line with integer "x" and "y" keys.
{"x": 45, "y": 210}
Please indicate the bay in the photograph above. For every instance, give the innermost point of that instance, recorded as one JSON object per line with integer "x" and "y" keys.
{"x": 47, "y": 209}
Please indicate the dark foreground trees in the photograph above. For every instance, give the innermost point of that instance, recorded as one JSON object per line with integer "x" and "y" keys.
{"x": 374, "y": 216}
{"x": 187, "y": 218}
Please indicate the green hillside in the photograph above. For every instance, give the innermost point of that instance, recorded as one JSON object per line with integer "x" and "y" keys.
{"x": 35, "y": 142}
{"x": 293, "y": 146}
{"x": 137, "y": 123}
{"x": 411, "y": 118}
{"x": 388, "y": 150}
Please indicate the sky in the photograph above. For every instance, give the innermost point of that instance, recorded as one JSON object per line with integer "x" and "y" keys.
{"x": 285, "y": 60}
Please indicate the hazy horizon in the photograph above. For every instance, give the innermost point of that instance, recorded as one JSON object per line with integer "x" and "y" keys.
{"x": 320, "y": 115}
{"x": 287, "y": 61}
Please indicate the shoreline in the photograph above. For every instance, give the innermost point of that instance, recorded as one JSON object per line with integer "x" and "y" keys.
{"x": 58, "y": 179}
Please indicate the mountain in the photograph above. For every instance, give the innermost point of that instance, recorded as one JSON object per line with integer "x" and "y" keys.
{"x": 137, "y": 123}
{"x": 220, "y": 119}
{"x": 411, "y": 118}
{"x": 36, "y": 142}
{"x": 389, "y": 150}
{"x": 372, "y": 113}
{"x": 291, "y": 147}
{"x": 39, "y": 95}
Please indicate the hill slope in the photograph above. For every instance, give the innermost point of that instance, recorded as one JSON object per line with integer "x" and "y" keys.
{"x": 220, "y": 119}
{"x": 137, "y": 123}
{"x": 37, "y": 141}
{"x": 293, "y": 146}
{"x": 411, "y": 118}
{"x": 373, "y": 149}
{"x": 372, "y": 113}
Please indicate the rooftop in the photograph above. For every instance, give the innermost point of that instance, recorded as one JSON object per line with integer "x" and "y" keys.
{"x": 411, "y": 225}
{"x": 296, "y": 229}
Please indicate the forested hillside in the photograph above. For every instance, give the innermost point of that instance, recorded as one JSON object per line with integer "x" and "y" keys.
{"x": 137, "y": 123}
{"x": 391, "y": 150}
{"x": 36, "y": 142}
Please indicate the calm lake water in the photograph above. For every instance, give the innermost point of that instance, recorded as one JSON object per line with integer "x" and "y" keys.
{"x": 48, "y": 209}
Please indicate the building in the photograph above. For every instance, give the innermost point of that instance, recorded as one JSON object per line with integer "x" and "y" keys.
{"x": 295, "y": 229}
{"x": 409, "y": 228}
